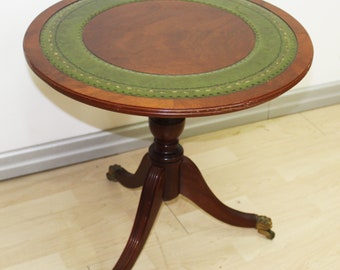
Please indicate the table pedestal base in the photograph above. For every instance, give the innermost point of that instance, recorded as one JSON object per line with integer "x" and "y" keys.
{"x": 165, "y": 173}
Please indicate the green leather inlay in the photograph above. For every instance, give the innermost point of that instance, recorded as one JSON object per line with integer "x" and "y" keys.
{"x": 275, "y": 49}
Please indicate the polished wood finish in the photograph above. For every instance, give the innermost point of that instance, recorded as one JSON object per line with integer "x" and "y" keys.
{"x": 163, "y": 107}
{"x": 149, "y": 205}
{"x": 164, "y": 171}
{"x": 194, "y": 187}
{"x": 147, "y": 37}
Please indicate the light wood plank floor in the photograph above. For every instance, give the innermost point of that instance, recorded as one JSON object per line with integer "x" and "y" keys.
{"x": 287, "y": 168}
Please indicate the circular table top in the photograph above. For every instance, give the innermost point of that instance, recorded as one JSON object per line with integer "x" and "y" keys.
{"x": 168, "y": 58}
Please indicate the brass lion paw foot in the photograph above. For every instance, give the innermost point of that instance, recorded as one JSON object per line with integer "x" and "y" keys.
{"x": 114, "y": 172}
{"x": 264, "y": 225}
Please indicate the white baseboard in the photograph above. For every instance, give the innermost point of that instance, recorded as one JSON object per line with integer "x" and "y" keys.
{"x": 106, "y": 143}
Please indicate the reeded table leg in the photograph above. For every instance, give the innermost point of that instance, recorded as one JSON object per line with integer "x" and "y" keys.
{"x": 194, "y": 187}
{"x": 129, "y": 180}
{"x": 164, "y": 173}
{"x": 150, "y": 202}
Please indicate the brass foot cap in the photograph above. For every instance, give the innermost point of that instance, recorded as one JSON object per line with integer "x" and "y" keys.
{"x": 111, "y": 175}
{"x": 264, "y": 225}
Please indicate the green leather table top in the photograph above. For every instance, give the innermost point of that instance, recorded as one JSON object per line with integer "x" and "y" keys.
{"x": 168, "y": 58}
{"x": 274, "y": 49}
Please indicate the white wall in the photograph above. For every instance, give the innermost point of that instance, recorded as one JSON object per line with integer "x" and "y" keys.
{"x": 32, "y": 113}
{"x": 321, "y": 20}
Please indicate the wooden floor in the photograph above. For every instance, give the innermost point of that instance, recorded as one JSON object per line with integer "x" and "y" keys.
{"x": 286, "y": 168}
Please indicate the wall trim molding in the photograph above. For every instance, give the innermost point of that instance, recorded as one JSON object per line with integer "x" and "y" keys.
{"x": 111, "y": 142}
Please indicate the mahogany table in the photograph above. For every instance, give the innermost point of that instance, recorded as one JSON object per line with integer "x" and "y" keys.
{"x": 169, "y": 60}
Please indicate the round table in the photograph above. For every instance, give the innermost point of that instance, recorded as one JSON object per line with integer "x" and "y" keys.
{"x": 169, "y": 60}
